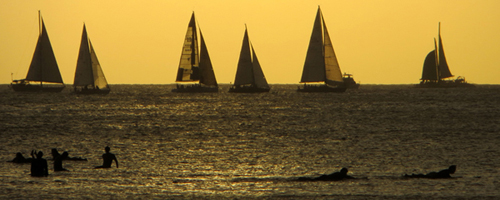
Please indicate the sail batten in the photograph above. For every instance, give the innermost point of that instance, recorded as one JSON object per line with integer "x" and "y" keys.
{"x": 189, "y": 62}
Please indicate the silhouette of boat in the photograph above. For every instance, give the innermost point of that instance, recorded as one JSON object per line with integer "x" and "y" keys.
{"x": 349, "y": 81}
{"x": 321, "y": 65}
{"x": 195, "y": 66}
{"x": 436, "y": 71}
{"x": 89, "y": 77}
{"x": 43, "y": 74}
{"x": 249, "y": 75}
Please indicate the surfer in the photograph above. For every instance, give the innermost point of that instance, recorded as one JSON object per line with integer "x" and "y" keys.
{"x": 58, "y": 162}
{"x": 39, "y": 165}
{"x": 56, "y": 153}
{"x": 107, "y": 159}
{"x": 21, "y": 159}
{"x": 336, "y": 176}
{"x": 445, "y": 173}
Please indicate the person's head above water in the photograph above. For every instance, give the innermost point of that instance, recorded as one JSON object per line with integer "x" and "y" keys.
{"x": 54, "y": 152}
{"x": 343, "y": 170}
{"x": 39, "y": 155}
{"x": 64, "y": 154}
{"x": 452, "y": 169}
{"x": 107, "y": 149}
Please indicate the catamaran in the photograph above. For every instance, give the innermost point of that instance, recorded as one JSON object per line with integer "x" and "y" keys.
{"x": 321, "y": 65}
{"x": 249, "y": 75}
{"x": 43, "y": 74}
{"x": 436, "y": 71}
{"x": 89, "y": 77}
{"x": 195, "y": 65}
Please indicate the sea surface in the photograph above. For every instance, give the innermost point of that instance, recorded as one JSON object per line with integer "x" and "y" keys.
{"x": 254, "y": 146}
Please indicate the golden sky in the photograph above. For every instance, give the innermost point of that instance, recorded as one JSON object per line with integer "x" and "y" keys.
{"x": 140, "y": 42}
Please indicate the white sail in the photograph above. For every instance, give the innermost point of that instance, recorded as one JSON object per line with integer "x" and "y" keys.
{"x": 88, "y": 70}
{"x": 244, "y": 73}
{"x": 189, "y": 63}
{"x": 207, "y": 71}
{"x": 314, "y": 66}
{"x": 44, "y": 65}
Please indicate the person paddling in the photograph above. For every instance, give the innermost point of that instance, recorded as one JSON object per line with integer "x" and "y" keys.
{"x": 336, "y": 176}
{"x": 445, "y": 173}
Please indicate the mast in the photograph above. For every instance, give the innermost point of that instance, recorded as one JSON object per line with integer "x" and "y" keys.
{"x": 40, "y": 24}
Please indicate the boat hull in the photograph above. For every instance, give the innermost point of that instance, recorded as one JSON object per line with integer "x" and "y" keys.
{"x": 322, "y": 88}
{"x": 445, "y": 84}
{"x": 36, "y": 88}
{"x": 195, "y": 89}
{"x": 248, "y": 90}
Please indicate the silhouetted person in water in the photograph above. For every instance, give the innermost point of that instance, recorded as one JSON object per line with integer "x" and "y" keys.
{"x": 56, "y": 153}
{"x": 21, "y": 159}
{"x": 58, "y": 162}
{"x": 107, "y": 159}
{"x": 445, "y": 173}
{"x": 39, "y": 165}
{"x": 336, "y": 176}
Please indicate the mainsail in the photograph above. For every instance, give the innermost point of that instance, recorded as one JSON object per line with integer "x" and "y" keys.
{"x": 321, "y": 63}
{"x": 43, "y": 66}
{"x": 195, "y": 64}
{"x": 249, "y": 71}
{"x": 88, "y": 70}
{"x": 189, "y": 63}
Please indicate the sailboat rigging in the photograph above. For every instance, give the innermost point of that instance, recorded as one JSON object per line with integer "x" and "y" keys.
{"x": 43, "y": 68}
{"x": 249, "y": 75}
{"x": 195, "y": 64}
{"x": 436, "y": 70}
{"x": 89, "y": 77}
{"x": 321, "y": 65}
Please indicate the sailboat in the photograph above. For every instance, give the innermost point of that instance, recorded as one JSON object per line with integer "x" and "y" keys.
{"x": 195, "y": 66}
{"x": 436, "y": 71}
{"x": 321, "y": 65}
{"x": 249, "y": 75}
{"x": 43, "y": 74}
{"x": 89, "y": 77}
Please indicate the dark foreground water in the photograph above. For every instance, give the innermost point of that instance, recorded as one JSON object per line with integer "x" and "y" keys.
{"x": 253, "y": 146}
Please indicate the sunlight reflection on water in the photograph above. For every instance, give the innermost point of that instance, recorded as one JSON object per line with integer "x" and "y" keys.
{"x": 239, "y": 145}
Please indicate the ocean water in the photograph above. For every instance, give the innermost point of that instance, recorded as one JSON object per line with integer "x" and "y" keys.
{"x": 254, "y": 146}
